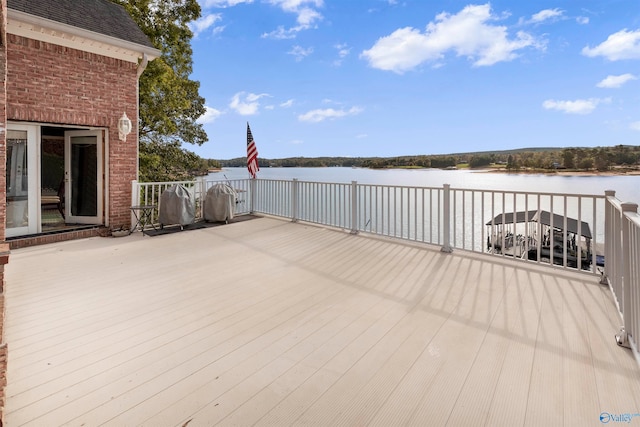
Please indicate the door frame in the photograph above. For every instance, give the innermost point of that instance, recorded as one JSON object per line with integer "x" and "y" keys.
{"x": 33, "y": 181}
{"x": 99, "y": 217}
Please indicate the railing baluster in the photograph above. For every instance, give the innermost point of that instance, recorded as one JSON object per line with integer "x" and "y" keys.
{"x": 354, "y": 207}
{"x": 446, "y": 196}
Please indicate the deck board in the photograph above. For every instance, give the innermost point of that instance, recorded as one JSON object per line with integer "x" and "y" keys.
{"x": 267, "y": 322}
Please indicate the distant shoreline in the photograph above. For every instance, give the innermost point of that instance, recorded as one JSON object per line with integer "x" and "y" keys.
{"x": 625, "y": 172}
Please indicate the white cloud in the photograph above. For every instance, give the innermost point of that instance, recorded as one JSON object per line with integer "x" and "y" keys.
{"x": 209, "y": 116}
{"x": 281, "y": 34}
{"x": 343, "y": 52}
{"x": 295, "y": 5}
{"x": 579, "y": 106}
{"x": 635, "y": 126}
{"x": 246, "y": 104}
{"x": 612, "y": 82}
{"x": 319, "y": 115}
{"x": 307, "y": 17}
{"x": 468, "y": 33}
{"x": 546, "y": 15}
{"x": 300, "y": 53}
{"x": 621, "y": 45}
{"x": 218, "y": 29}
{"x": 361, "y": 135}
{"x": 582, "y": 20}
{"x": 288, "y": 103}
{"x": 222, "y": 3}
{"x": 204, "y": 23}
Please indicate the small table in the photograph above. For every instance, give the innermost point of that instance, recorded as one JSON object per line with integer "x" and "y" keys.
{"x": 142, "y": 213}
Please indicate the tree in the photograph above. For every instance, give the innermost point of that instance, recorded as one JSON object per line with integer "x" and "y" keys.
{"x": 480, "y": 161}
{"x": 586, "y": 163}
{"x": 183, "y": 164}
{"x": 602, "y": 162}
{"x": 169, "y": 99}
{"x": 568, "y": 158}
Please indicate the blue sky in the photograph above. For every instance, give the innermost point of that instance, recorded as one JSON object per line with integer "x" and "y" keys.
{"x": 362, "y": 78}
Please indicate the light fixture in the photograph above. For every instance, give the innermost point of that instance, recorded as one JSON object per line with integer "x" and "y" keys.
{"x": 124, "y": 127}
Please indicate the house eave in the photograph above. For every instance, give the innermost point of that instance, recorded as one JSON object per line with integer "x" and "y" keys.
{"x": 46, "y": 30}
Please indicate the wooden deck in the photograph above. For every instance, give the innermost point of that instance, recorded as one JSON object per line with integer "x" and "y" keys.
{"x": 267, "y": 322}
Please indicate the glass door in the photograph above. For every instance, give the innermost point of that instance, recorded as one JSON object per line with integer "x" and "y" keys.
{"x": 21, "y": 189}
{"x": 83, "y": 196}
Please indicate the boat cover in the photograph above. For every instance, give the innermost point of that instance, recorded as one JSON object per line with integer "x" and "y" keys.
{"x": 544, "y": 218}
{"x": 220, "y": 203}
{"x": 177, "y": 206}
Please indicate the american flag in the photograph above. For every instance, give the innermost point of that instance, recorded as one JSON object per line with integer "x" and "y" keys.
{"x": 252, "y": 154}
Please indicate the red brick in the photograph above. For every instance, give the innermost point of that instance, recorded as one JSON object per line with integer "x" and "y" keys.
{"x": 78, "y": 88}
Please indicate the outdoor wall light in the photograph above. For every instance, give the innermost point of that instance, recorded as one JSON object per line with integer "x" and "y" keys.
{"x": 124, "y": 127}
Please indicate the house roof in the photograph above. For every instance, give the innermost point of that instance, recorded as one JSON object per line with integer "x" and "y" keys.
{"x": 99, "y": 16}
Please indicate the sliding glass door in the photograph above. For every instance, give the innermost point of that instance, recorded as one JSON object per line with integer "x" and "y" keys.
{"x": 22, "y": 180}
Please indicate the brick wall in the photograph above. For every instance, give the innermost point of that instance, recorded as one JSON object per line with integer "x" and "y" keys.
{"x": 3, "y": 185}
{"x": 45, "y": 239}
{"x": 48, "y": 83}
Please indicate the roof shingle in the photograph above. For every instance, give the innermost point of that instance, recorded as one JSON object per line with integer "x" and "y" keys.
{"x": 100, "y": 16}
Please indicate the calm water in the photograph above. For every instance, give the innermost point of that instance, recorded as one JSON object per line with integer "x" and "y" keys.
{"x": 627, "y": 187}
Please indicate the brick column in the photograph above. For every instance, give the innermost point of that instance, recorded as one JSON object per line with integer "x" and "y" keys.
{"x": 4, "y": 248}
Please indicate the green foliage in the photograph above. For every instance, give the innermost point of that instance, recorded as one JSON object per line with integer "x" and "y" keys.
{"x": 154, "y": 166}
{"x": 568, "y": 158}
{"x": 443, "y": 161}
{"x": 169, "y": 99}
{"x": 513, "y": 163}
{"x": 602, "y": 160}
{"x": 480, "y": 161}
{"x": 213, "y": 164}
{"x": 586, "y": 163}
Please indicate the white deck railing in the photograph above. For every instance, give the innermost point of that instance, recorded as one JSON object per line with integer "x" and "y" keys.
{"x": 455, "y": 219}
{"x": 622, "y": 269}
{"x": 452, "y": 218}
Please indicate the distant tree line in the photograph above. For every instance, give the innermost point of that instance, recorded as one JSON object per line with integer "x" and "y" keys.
{"x": 582, "y": 159}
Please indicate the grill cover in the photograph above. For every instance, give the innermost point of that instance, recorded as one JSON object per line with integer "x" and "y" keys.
{"x": 177, "y": 206}
{"x": 220, "y": 203}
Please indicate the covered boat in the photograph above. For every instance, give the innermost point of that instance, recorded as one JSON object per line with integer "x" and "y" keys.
{"x": 541, "y": 235}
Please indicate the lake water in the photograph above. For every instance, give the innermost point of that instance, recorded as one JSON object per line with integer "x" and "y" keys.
{"x": 627, "y": 188}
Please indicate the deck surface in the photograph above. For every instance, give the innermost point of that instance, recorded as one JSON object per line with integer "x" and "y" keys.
{"x": 267, "y": 322}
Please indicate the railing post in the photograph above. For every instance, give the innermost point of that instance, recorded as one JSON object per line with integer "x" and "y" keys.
{"x": 135, "y": 200}
{"x": 200, "y": 194}
{"x": 446, "y": 218}
{"x": 294, "y": 200}
{"x": 623, "y": 337}
{"x": 354, "y": 207}
{"x": 608, "y": 236}
{"x": 203, "y": 186}
{"x": 135, "y": 193}
{"x": 252, "y": 196}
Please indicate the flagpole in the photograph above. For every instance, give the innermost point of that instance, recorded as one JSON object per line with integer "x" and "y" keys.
{"x": 252, "y": 166}
{"x": 252, "y": 154}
